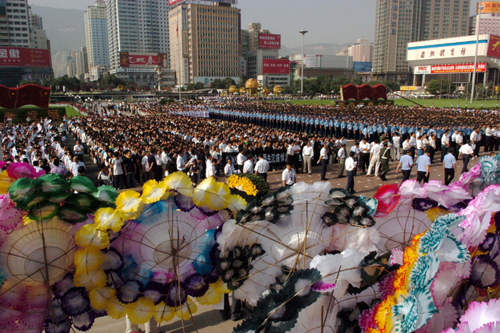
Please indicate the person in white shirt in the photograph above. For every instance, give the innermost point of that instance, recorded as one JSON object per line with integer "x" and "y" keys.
{"x": 465, "y": 153}
{"x": 210, "y": 172}
{"x": 323, "y": 159}
{"x": 288, "y": 176}
{"x": 229, "y": 168}
{"x": 248, "y": 165}
{"x": 78, "y": 150}
{"x": 307, "y": 157}
{"x": 364, "y": 147}
{"x": 445, "y": 144}
{"x": 240, "y": 160}
{"x": 180, "y": 163}
{"x": 413, "y": 143}
{"x": 396, "y": 145}
{"x": 374, "y": 159}
{"x": 117, "y": 168}
{"x": 262, "y": 167}
{"x": 341, "y": 155}
{"x": 350, "y": 166}
{"x": 475, "y": 139}
{"x": 487, "y": 134}
{"x": 164, "y": 159}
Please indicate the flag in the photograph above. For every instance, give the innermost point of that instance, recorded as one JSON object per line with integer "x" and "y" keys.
{"x": 177, "y": 30}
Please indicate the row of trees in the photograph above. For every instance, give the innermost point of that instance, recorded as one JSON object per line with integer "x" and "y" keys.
{"x": 447, "y": 87}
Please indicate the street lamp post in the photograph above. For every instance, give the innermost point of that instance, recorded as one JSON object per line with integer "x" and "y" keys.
{"x": 478, "y": 25}
{"x": 303, "y": 32}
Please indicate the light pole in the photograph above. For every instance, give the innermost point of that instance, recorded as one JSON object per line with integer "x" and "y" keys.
{"x": 478, "y": 26}
{"x": 303, "y": 32}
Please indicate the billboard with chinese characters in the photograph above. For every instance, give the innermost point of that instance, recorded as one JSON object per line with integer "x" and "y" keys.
{"x": 175, "y": 2}
{"x": 489, "y": 7}
{"x": 444, "y": 50}
{"x": 449, "y": 69}
{"x": 24, "y": 57}
{"x": 275, "y": 66}
{"x": 269, "y": 41}
{"x": 494, "y": 47}
{"x": 143, "y": 60}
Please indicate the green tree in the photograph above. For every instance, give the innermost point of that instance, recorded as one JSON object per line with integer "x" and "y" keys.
{"x": 228, "y": 82}
{"x": 440, "y": 87}
{"x": 111, "y": 81}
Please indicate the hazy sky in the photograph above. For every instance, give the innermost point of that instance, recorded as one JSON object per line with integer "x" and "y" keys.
{"x": 328, "y": 21}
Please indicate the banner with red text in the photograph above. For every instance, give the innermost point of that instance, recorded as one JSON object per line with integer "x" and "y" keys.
{"x": 24, "y": 57}
{"x": 452, "y": 68}
{"x": 276, "y": 66}
{"x": 269, "y": 41}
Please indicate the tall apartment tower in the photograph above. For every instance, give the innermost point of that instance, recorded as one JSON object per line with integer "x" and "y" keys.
{"x": 204, "y": 42}
{"x": 361, "y": 51}
{"x": 255, "y": 55}
{"x": 38, "y": 36}
{"x": 138, "y": 27}
{"x": 96, "y": 35}
{"x": 400, "y": 22}
{"x": 16, "y": 24}
{"x": 444, "y": 19}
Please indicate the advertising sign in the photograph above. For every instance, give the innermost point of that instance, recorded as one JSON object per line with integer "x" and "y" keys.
{"x": 24, "y": 57}
{"x": 449, "y": 48}
{"x": 143, "y": 60}
{"x": 163, "y": 60}
{"x": 174, "y": 2}
{"x": 269, "y": 41}
{"x": 408, "y": 88}
{"x": 489, "y": 7}
{"x": 124, "y": 61}
{"x": 494, "y": 47}
{"x": 276, "y": 66}
{"x": 360, "y": 66}
{"x": 448, "y": 69}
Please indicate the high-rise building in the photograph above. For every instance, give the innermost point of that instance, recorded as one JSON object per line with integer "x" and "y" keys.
{"x": 81, "y": 63}
{"x": 38, "y": 36}
{"x": 96, "y": 37}
{"x": 399, "y": 22}
{"x": 205, "y": 42}
{"x": 18, "y": 23}
{"x": 444, "y": 19}
{"x": 490, "y": 19}
{"x": 137, "y": 30}
{"x": 24, "y": 47}
{"x": 255, "y": 55}
{"x": 361, "y": 51}
{"x": 71, "y": 64}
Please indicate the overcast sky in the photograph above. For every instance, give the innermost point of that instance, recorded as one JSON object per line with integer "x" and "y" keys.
{"x": 328, "y": 21}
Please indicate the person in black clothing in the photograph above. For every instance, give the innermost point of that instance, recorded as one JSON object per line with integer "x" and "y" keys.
{"x": 152, "y": 167}
{"x": 129, "y": 167}
{"x": 194, "y": 170}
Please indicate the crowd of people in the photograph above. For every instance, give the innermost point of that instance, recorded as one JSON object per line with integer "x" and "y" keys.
{"x": 132, "y": 143}
{"x": 43, "y": 144}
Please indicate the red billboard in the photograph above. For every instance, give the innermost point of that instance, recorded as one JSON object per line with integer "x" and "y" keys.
{"x": 141, "y": 60}
{"x": 276, "y": 66}
{"x": 494, "y": 47}
{"x": 174, "y": 2}
{"x": 269, "y": 41}
{"x": 24, "y": 57}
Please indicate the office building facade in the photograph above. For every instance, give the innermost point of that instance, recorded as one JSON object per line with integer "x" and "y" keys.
{"x": 137, "y": 30}
{"x": 96, "y": 38}
{"x": 362, "y": 51}
{"x": 401, "y": 22}
{"x": 205, "y": 42}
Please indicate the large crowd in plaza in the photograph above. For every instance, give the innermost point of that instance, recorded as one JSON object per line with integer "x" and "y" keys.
{"x": 133, "y": 143}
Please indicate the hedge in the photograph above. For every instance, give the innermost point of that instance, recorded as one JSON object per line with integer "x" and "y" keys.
{"x": 22, "y": 113}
